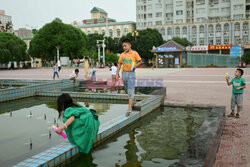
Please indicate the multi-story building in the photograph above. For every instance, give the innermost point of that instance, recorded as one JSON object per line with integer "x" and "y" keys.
{"x": 202, "y": 22}
{"x": 101, "y": 24}
{"x": 4, "y": 19}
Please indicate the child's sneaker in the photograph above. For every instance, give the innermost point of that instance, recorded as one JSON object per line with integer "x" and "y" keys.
{"x": 231, "y": 115}
{"x": 237, "y": 116}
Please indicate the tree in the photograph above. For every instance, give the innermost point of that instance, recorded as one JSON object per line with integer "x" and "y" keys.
{"x": 12, "y": 48}
{"x": 72, "y": 41}
{"x": 144, "y": 42}
{"x": 246, "y": 58}
{"x": 182, "y": 41}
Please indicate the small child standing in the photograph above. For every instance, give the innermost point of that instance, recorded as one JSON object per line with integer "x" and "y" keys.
{"x": 239, "y": 84}
{"x": 55, "y": 71}
{"x": 81, "y": 124}
{"x": 93, "y": 73}
{"x": 113, "y": 73}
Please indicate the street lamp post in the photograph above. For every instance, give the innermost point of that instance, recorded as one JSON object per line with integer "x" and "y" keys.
{"x": 103, "y": 50}
{"x": 57, "y": 48}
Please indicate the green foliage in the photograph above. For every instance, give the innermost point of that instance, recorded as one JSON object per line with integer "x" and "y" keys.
{"x": 182, "y": 41}
{"x": 92, "y": 39}
{"x": 144, "y": 42}
{"x": 72, "y": 41}
{"x": 12, "y": 48}
{"x": 246, "y": 58}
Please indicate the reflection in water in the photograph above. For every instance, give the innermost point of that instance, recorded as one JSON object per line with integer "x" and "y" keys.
{"x": 157, "y": 140}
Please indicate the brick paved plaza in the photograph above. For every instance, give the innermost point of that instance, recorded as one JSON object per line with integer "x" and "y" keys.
{"x": 185, "y": 86}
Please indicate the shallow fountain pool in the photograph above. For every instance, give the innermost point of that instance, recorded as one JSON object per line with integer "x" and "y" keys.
{"x": 29, "y": 120}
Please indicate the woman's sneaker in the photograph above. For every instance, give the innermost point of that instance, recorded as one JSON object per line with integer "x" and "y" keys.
{"x": 231, "y": 115}
{"x": 237, "y": 116}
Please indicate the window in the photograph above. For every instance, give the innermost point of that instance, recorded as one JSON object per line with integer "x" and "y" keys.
{"x": 225, "y": 1}
{"x": 210, "y": 29}
{"x": 118, "y": 33}
{"x": 159, "y": 14}
{"x": 89, "y": 32}
{"x": 194, "y": 41}
{"x": 150, "y": 15}
{"x": 179, "y": 12}
{"x": 149, "y": 7}
{"x": 201, "y": 41}
{"x": 162, "y": 31}
{"x": 158, "y": 6}
{"x": 218, "y": 28}
{"x": 96, "y": 32}
{"x": 200, "y": 1}
{"x": 238, "y": 7}
{"x": 158, "y": 23}
{"x": 202, "y": 29}
{"x": 200, "y": 10}
{"x": 125, "y": 31}
{"x": 210, "y": 40}
{"x": 179, "y": 3}
{"x": 169, "y": 14}
{"x": 238, "y": 16}
{"x": 245, "y": 26}
{"x": 225, "y": 10}
{"x": 184, "y": 30}
{"x": 226, "y": 40}
{"x": 179, "y": 21}
{"x": 150, "y": 23}
{"x": 169, "y": 31}
{"x": 110, "y": 32}
{"x": 103, "y": 32}
{"x": 169, "y": 6}
{"x": 226, "y": 28}
{"x": 218, "y": 40}
{"x": 177, "y": 31}
{"x": 214, "y": 10}
{"x": 169, "y": 22}
{"x": 245, "y": 39}
{"x": 237, "y": 27}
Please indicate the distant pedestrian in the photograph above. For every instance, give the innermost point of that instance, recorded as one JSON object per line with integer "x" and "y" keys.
{"x": 113, "y": 73}
{"x": 55, "y": 71}
{"x": 93, "y": 73}
{"x": 86, "y": 66}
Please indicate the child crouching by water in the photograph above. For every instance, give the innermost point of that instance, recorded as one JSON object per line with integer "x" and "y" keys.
{"x": 81, "y": 125}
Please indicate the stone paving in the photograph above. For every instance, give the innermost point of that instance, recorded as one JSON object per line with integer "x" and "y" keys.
{"x": 185, "y": 86}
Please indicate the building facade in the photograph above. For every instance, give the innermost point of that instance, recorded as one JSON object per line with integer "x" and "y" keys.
{"x": 202, "y": 22}
{"x": 4, "y": 19}
{"x": 101, "y": 24}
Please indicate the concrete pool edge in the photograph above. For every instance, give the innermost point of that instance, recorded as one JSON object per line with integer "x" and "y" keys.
{"x": 203, "y": 148}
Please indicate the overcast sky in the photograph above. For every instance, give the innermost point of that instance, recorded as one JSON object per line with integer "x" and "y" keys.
{"x": 36, "y": 13}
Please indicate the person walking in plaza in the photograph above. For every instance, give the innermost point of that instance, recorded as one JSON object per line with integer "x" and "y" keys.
{"x": 86, "y": 66}
{"x": 130, "y": 60}
{"x": 55, "y": 71}
{"x": 81, "y": 124}
{"x": 113, "y": 73}
{"x": 239, "y": 84}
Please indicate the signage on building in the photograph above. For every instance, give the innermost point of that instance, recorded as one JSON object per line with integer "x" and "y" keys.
{"x": 199, "y": 48}
{"x": 166, "y": 49}
{"x": 219, "y": 47}
{"x": 246, "y": 46}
